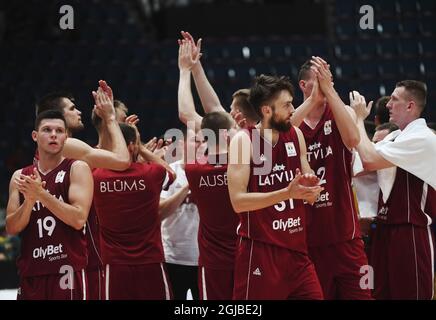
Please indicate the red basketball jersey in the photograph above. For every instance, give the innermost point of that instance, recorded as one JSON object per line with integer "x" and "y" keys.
{"x": 410, "y": 201}
{"x": 47, "y": 243}
{"x": 127, "y": 206}
{"x": 283, "y": 224}
{"x": 333, "y": 218}
{"x": 218, "y": 221}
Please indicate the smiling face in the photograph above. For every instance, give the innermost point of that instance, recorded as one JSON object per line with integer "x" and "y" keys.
{"x": 51, "y": 136}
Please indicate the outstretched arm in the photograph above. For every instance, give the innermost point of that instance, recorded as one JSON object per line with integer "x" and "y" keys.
{"x": 187, "y": 111}
{"x": 119, "y": 157}
{"x": 209, "y": 98}
{"x": 371, "y": 159}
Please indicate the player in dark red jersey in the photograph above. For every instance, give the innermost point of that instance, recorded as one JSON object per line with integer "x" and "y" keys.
{"x": 48, "y": 206}
{"x": 110, "y": 155}
{"x": 402, "y": 250}
{"x": 217, "y": 228}
{"x": 333, "y": 231}
{"x": 207, "y": 177}
{"x": 266, "y": 188}
{"x": 127, "y": 205}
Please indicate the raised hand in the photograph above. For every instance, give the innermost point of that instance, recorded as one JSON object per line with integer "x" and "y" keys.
{"x": 358, "y": 103}
{"x": 323, "y": 73}
{"x": 132, "y": 120}
{"x": 195, "y": 49}
{"x": 239, "y": 119}
{"x": 108, "y": 90}
{"x": 186, "y": 62}
{"x": 104, "y": 106}
{"x": 316, "y": 94}
{"x": 151, "y": 144}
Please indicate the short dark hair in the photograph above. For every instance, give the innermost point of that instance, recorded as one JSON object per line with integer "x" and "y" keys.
{"x": 381, "y": 111}
{"x": 303, "y": 74}
{"x": 216, "y": 121}
{"x": 266, "y": 88}
{"x": 241, "y": 100}
{"x": 387, "y": 126}
{"x": 49, "y": 114}
{"x": 129, "y": 133}
{"x": 53, "y": 101}
{"x": 417, "y": 89}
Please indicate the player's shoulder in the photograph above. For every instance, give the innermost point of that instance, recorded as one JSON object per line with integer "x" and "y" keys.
{"x": 17, "y": 173}
{"x": 80, "y": 166}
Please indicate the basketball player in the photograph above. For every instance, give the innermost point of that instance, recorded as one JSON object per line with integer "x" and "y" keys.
{"x": 114, "y": 158}
{"x": 333, "y": 232}
{"x": 127, "y": 205}
{"x": 271, "y": 258}
{"x": 218, "y": 221}
{"x": 207, "y": 179}
{"x": 48, "y": 206}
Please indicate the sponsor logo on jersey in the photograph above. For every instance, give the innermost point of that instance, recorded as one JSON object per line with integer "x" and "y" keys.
{"x": 257, "y": 272}
{"x": 47, "y": 251}
{"x": 287, "y": 225}
{"x": 328, "y": 127}
{"x": 60, "y": 176}
{"x": 290, "y": 149}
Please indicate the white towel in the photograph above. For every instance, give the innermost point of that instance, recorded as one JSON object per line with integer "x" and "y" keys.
{"x": 413, "y": 150}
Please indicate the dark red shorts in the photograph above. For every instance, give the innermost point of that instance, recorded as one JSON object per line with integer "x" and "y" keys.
{"x": 403, "y": 261}
{"x": 215, "y": 284}
{"x": 95, "y": 283}
{"x": 265, "y": 271}
{"x": 137, "y": 282}
{"x": 54, "y": 287}
{"x": 339, "y": 269}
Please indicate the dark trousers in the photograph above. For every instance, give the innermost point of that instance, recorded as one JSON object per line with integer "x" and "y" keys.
{"x": 182, "y": 279}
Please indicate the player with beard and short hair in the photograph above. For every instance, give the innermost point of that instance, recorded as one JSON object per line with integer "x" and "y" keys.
{"x": 271, "y": 258}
